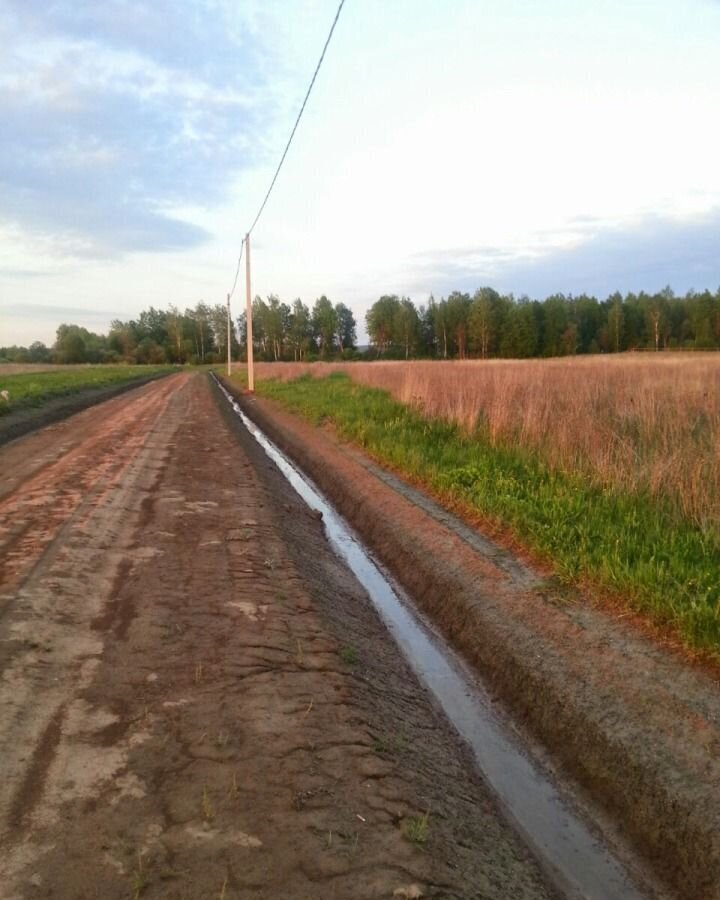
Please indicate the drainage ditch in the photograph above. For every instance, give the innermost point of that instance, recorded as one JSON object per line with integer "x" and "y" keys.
{"x": 573, "y": 858}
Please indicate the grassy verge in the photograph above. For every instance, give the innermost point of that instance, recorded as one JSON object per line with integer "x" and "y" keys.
{"x": 33, "y": 389}
{"x": 635, "y": 546}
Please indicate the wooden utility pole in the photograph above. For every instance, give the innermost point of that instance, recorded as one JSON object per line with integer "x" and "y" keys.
{"x": 248, "y": 329}
{"x": 229, "y": 326}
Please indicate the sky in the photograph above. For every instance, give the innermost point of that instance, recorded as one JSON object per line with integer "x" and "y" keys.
{"x": 536, "y": 146}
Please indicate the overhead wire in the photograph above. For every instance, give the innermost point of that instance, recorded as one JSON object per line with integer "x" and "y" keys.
{"x": 237, "y": 270}
{"x": 297, "y": 121}
{"x": 290, "y": 139}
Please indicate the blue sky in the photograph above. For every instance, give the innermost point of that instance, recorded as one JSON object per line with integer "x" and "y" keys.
{"x": 537, "y": 147}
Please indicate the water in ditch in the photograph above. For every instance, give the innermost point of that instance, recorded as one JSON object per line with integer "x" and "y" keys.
{"x": 577, "y": 862}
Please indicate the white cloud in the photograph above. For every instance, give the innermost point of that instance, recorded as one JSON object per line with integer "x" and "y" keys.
{"x": 537, "y": 139}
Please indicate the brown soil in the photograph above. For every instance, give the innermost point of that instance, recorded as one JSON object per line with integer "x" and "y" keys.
{"x": 197, "y": 699}
{"x": 638, "y": 729}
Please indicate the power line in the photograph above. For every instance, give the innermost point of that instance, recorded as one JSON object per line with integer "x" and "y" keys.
{"x": 246, "y": 239}
{"x": 297, "y": 121}
{"x": 237, "y": 271}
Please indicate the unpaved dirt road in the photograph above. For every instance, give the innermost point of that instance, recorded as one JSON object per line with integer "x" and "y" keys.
{"x": 197, "y": 699}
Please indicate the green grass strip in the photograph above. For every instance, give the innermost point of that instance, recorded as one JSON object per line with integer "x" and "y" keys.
{"x": 34, "y": 389}
{"x": 665, "y": 567}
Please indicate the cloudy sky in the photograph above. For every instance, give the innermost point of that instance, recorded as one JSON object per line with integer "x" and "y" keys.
{"x": 534, "y": 145}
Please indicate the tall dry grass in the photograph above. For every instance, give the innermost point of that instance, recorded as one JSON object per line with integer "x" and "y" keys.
{"x": 22, "y": 368}
{"x": 646, "y": 422}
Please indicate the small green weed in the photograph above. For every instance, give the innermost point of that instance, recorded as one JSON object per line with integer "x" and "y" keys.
{"x": 139, "y": 880}
{"x": 348, "y": 655}
{"x": 417, "y": 828}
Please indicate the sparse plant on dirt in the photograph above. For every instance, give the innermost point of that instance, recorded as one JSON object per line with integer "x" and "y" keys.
{"x": 234, "y": 791}
{"x": 350, "y": 839}
{"x": 207, "y": 807}
{"x": 198, "y": 673}
{"x": 348, "y": 655}
{"x": 417, "y": 828}
{"x": 223, "y": 889}
{"x": 390, "y": 744}
{"x": 139, "y": 880}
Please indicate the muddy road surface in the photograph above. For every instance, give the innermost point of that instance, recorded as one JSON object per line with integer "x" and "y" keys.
{"x": 197, "y": 698}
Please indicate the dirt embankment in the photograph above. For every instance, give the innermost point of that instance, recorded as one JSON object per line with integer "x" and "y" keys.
{"x": 197, "y": 698}
{"x": 633, "y": 724}
{"x": 22, "y": 421}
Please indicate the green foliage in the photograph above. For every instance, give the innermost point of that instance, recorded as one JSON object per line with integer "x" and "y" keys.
{"x": 489, "y": 324}
{"x": 36, "y": 388}
{"x": 281, "y": 332}
{"x": 345, "y": 328}
{"x": 485, "y": 325}
{"x": 324, "y": 322}
{"x": 638, "y": 547}
{"x": 381, "y": 320}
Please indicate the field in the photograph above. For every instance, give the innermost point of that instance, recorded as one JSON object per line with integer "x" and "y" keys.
{"x": 34, "y": 386}
{"x": 20, "y": 368}
{"x": 607, "y": 467}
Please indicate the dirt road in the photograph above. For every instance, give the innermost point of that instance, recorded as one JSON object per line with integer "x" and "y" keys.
{"x": 197, "y": 699}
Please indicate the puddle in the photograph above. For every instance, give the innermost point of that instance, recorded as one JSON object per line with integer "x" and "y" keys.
{"x": 578, "y": 863}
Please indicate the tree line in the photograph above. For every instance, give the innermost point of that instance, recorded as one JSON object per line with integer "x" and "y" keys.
{"x": 489, "y": 324}
{"x": 199, "y": 336}
{"x": 482, "y": 325}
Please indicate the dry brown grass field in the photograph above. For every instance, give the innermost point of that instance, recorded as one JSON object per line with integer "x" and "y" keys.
{"x": 645, "y": 422}
{"x": 22, "y": 368}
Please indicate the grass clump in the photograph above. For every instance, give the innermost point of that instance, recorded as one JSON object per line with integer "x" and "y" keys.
{"x": 417, "y": 828}
{"x": 349, "y": 655}
{"x": 632, "y": 543}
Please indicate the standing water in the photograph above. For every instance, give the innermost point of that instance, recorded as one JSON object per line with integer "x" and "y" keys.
{"x": 574, "y": 860}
